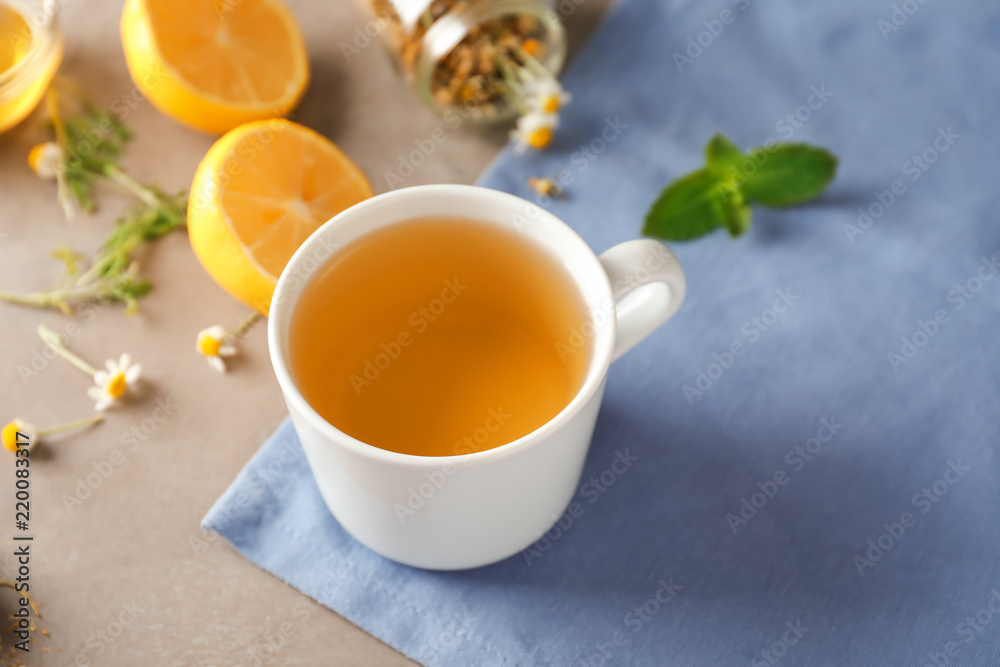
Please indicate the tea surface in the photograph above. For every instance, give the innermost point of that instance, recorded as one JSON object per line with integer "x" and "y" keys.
{"x": 437, "y": 337}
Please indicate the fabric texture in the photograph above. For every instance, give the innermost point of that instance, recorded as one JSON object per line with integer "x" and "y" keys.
{"x": 811, "y": 441}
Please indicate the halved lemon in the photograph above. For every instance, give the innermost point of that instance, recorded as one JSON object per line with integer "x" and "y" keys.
{"x": 213, "y": 65}
{"x": 260, "y": 191}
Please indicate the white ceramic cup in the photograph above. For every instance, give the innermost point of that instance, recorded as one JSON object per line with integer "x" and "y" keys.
{"x": 463, "y": 511}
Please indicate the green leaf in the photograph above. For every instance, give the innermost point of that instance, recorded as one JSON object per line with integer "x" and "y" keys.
{"x": 735, "y": 209}
{"x": 788, "y": 174}
{"x": 93, "y": 140}
{"x": 720, "y": 194}
{"x": 133, "y": 288}
{"x": 722, "y": 154}
{"x": 691, "y": 207}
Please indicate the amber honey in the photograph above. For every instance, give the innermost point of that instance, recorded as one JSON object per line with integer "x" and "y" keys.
{"x": 30, "y": 51}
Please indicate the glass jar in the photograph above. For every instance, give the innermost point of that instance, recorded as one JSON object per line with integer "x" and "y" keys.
{"x": 449, "y": 50}
{"x": 30, "y": 54}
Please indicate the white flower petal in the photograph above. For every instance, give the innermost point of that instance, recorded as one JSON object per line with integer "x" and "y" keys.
{"x": 217, "y": 363}
{"x": 124, "y": 361}
{"x": 112, "y": 368}
{"x": 105, "y": 403}
{"x": 28, "y": 430}
{"x": 46, "y": 160}
{"x": 101, "y": 378}
{"x": 96, "y": 393}
{"x": 227, "y": 350}
{"x": 529, "y": 123}
{"x": 542, "y": 87}
{"x": 133, "y": 374}
{"x": 540, "y": 92}
{"x": 536, "y": 120}
{"x": 216, "y": 333}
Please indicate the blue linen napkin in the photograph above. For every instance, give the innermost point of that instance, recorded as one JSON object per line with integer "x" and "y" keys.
{"x": 799, "y": 468}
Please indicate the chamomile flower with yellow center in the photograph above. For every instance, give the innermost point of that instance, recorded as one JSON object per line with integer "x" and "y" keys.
{"x": 546, "y": 95}
{"x": 213, "y": 344}
{"x": 111, "y": 384}
{"x": 217, "y": 342}
{"x": 46, "y": 160}
{"x": 534, "y": 129}
{"x": 20, "y": 433}
{"x": 532, "y": 89}
{"x": 10, "y": 432}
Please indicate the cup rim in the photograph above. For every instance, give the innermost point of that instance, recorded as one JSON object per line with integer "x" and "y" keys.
{"x": 600, "y": 361}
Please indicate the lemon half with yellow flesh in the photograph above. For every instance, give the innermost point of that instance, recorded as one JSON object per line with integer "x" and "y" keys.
{"x": 260, "y": 191}
{"x": 215, "y": 64}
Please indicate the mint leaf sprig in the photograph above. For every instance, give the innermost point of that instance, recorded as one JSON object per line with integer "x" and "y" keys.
{"x": 720, "y": 193}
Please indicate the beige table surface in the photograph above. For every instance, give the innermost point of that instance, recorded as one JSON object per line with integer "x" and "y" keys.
{"x": 126, "y": 576}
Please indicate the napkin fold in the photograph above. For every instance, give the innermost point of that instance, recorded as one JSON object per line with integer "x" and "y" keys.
{"x": 800, "y": 467}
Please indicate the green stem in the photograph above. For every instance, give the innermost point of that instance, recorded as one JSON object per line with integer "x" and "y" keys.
{"x": 54, "y": 298}
{"x": 54, "y": 340}
{"x": 105, "y": 260}
{"x": 79, "y": 423}
{"x": 33, "y": 299}
{"x": 52, "y": 105}
{"x": 530, "y": 62}
{"x": 144, "y": 194}
{"x": 64, "y": 298}
{"x": 65, "y": 198}
{"x": 90, "y": 274}
{"x": 64, "y": 195}
{"x": 510, "y": 85}
{"x": 243, "y": 327}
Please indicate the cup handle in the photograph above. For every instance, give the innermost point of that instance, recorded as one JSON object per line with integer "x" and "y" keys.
{"x": 648, "y": 285}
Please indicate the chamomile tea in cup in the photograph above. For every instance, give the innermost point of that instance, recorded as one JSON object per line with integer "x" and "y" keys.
{"x": 443, "y": 350}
